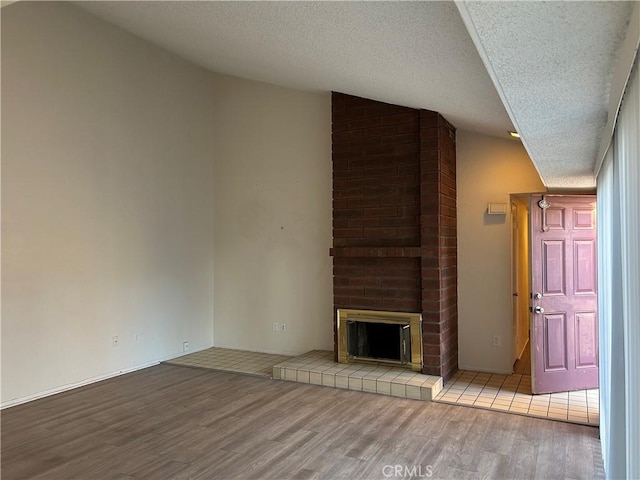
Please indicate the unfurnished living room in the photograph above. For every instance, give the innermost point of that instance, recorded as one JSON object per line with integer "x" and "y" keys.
{"x": 291, "y": 240}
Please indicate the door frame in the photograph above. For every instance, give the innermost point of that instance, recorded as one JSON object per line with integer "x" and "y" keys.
{"x": 520, "y": 322}
{"x": 515, "y": 277}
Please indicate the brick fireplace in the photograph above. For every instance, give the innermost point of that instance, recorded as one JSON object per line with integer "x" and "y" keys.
{"x": 394, "y": 219}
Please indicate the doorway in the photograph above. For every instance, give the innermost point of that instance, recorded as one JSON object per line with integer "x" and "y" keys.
{"x": 564, "y": 328}
{"x": 554, "y": 291}
{"x": 520, "y": 280}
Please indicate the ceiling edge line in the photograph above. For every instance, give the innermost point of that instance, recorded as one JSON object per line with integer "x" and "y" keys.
{"x": 619, "y": 81}
{"x": 477, "y": 41}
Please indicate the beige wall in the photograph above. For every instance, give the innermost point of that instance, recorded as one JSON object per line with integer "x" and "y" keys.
{"x": 107, "y": 201}
{"x": 488, "y": 171}
{"x": 272, "y": 217}
{"x": 127, "y": 170}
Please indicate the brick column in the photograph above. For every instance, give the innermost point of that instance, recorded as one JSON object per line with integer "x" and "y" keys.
{"x": 394, "y": 232}
{"x": 439, "y": 244}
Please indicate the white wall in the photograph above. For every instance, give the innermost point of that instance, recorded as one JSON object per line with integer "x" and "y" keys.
{"x": 272, "y": 218}
{"x": 489, "y": 169}
{"x": 107, "y": 201}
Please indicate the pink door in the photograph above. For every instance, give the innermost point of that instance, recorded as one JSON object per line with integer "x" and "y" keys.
{"x": 564, "y": 346}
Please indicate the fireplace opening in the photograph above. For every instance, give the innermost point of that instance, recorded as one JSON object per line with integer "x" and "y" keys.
{"x": 368, "y": 336}
{"x": 382, "y": 341}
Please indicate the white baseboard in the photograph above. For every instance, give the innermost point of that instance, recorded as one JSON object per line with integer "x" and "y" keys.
{"x": 88, "y": 381}
{"x": 257, "y": 350}
{"x": 484, "y": 370}
{"x": 525, "y": 346}
{"x": 182, "y": 354}
{"x": 71, "y": 386}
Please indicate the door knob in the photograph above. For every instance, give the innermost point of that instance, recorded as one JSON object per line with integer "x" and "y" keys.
{"x": 539, "y": 309}
{"x": 537, "y": 295}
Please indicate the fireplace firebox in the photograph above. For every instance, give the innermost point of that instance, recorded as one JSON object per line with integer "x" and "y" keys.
{"x": 391, "y": 338}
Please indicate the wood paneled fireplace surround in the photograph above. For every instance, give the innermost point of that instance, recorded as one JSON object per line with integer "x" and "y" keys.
{"x": 394, "y": 223}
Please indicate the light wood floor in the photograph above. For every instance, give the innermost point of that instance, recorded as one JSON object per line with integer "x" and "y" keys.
{"x": 169, "y": 422}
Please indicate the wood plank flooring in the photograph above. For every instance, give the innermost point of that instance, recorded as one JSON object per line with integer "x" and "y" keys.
{"x": 169, "y": 422}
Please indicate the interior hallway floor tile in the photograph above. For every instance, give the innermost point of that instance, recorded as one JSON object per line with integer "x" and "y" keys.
{"x": 512, "y": 393}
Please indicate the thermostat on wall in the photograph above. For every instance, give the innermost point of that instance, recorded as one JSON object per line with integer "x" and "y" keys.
{"x": 497, "y": 209}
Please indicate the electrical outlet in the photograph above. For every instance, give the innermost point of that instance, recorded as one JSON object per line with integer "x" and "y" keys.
{"x": 185, "y": 346}
{"x": 114, "y": 341}
{"x": 136, "y": 337}
{"x": 496, "y": 341}
{"x": 283, "y": 327}
{"x": 275, "y": 327}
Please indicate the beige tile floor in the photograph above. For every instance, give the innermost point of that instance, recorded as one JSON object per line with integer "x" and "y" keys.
{"x": 228, "y": 360}
{"x": 318, "y": 368}
{"x": 512, "y": 394}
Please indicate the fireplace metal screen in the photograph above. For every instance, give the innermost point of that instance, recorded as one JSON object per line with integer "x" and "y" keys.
{"x": 380, "y": 337}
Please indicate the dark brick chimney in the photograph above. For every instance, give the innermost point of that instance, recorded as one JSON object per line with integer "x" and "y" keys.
{"x": 394, "y": 218}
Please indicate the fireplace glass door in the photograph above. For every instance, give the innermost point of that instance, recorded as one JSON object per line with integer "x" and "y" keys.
{"x": 379, "y": 341}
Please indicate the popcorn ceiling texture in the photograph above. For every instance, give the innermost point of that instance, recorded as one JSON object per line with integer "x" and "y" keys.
{"x": 415, "y": 54}
{"x": 553, "y": 62}
{"x": 547, "y": 65}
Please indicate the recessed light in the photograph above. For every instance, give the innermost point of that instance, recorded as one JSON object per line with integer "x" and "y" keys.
{"x": 514, "y": 134}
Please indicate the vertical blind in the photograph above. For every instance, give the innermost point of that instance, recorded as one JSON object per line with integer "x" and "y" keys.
{"x": 619, "y": 291}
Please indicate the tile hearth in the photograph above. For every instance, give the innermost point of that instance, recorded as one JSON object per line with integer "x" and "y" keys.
{"x": 505, "y": 393}
{"x": 318, "y": 368}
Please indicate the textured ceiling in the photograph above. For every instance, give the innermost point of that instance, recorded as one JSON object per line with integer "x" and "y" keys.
{"x": 416, "y": 54}
{"x": 550, "y": 62}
